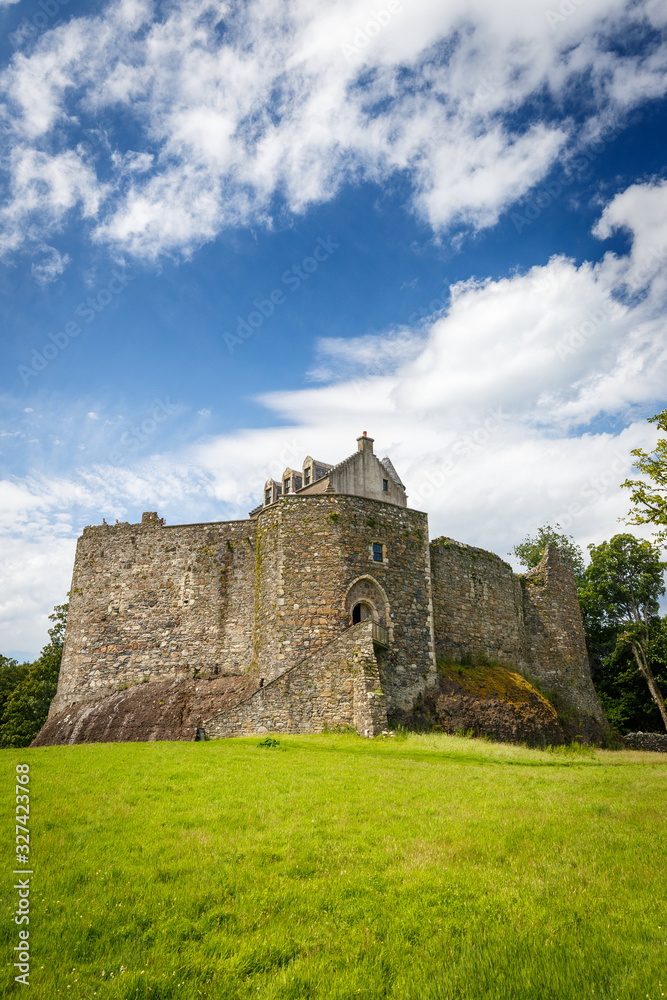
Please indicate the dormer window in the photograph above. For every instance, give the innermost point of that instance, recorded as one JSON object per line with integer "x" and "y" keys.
{"x": 306, "y": 476}
{"x": 267, "y": 496}
{"x": 385, "y": 485}
{"x": 286, "y": 486}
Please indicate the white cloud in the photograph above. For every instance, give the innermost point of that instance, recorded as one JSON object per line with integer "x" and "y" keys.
{"x": 361, "y": 357}
{"x": 239, "y": 105}
{"x": 641, "y": 209}
{"x": 43, "y": 190}
{"x": 51, "y": 266}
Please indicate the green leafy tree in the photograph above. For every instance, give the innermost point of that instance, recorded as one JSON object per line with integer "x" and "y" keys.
{"x": 623, "y": 692}
{"x": 27, "y": 706}
{"x": 11, "y": 674}
{"x": 531, "y": 549}
{"x": 620, "y": 600}
{"x": 650, "y": 498}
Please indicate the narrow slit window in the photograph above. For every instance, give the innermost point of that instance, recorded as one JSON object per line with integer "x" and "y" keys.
{"x": 385, "y": 485}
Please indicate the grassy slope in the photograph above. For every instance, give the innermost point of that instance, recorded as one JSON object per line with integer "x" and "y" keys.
{"x": 431, "y": 867}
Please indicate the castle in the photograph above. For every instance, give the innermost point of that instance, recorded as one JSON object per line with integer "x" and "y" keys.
{"x": 327, "y": 606}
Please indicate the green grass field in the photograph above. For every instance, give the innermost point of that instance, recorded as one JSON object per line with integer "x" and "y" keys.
{"x": 336, "y": 867}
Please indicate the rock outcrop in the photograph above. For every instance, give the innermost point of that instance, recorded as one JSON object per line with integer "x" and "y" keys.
{"x": 487, "y": 701}
{"x": 160, "y": 710}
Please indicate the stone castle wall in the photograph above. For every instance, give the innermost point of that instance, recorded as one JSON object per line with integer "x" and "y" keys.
{"x": 157, "y": 602}
{"x": 532, "y": 622}
{"x": 315, "y": 561}
{"x": 339, "y": 685}
{"x": 477, "y": 605}
{"x": 261, "y": 596}
{"x": 555, "y": 640}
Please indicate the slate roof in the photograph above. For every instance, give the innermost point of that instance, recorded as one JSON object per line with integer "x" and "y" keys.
{"x": 393, "y": 474}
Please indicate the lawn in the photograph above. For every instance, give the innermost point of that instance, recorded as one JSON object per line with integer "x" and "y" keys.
{"x": 334, "y": 867}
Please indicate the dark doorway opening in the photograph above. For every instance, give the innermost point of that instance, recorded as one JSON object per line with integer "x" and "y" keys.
{"x": 361, "y": 611}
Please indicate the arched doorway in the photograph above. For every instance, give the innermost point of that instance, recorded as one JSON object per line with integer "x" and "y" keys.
{"x": 365, "y": 599}
{"x": 361, "y": 611}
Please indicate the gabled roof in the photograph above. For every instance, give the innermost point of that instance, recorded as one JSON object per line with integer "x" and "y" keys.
{"x": 315, "y": 461}
{"x": 324, "y": 483}
{"x": 393, "y": 474}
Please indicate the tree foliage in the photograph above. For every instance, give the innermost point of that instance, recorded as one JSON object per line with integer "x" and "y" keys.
{"x": 649, "y": 499}
{"x": 620, "y": 599}
{"x": 623, "y": 692}
{"x": 531, "y": 549}
{"x": 11, "y": 674}
{"x": 27, "y": 705}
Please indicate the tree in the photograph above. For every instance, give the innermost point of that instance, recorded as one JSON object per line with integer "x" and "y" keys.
{"x": 530, "y": 550}
{"x": 622, "y": 690}
{"x": 650, "y": 499}
{"x": 28, "y": 704}
{"x": 11, "y": 675}
{"x": 619, "y": 599}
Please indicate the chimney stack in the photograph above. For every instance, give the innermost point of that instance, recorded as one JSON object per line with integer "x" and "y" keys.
{"x": 364, "y": 443}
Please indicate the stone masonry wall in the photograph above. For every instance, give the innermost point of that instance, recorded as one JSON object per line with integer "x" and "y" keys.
{"x": 532, "y": 622}
{"x": 478, "y": 604}
{"x": 339, "y": 685}
{"x": 260, "y": 596}
{"x": 157, "y": 602}
{"x": 655, "y": 742}
{"x": 313, "y": 555}
{"x": 555, "y": 640}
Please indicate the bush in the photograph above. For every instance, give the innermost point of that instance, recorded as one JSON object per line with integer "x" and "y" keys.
{"x": 27, "y": 706}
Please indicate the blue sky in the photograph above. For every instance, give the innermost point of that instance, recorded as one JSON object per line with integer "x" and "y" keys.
{"x": 233, "y": 234}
